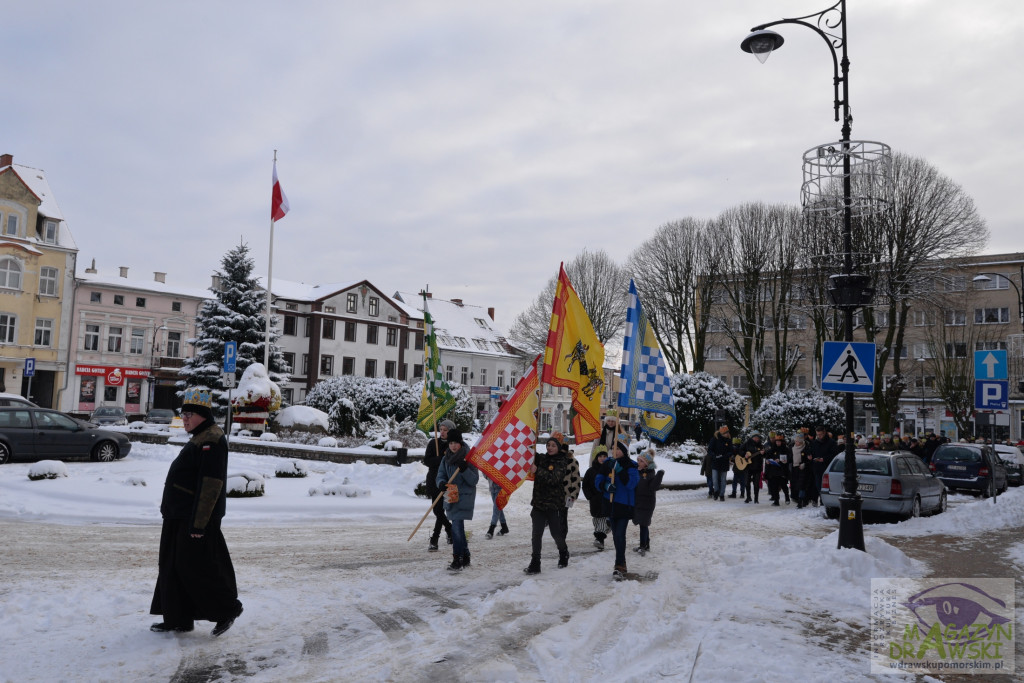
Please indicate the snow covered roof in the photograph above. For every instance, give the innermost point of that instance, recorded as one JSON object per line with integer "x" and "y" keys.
{"x": 301, "y": 291}
{"x": 110, "y": 278}
{"x": 35, "y": 180}
{"x": 459, "y": 326}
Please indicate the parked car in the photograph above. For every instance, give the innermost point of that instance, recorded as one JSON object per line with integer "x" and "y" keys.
{"x": 32, "y": 433}
{"x": 160, "y": 416}
{"x": 970, "y": 467}
{"x": 1013, "y": 461}
{"x": 7, "y": 399}
{"x": 109, "y": 415}
{"x": 891, "y": 482}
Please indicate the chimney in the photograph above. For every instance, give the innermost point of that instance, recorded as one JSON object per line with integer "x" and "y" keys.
{"x": 162, "y": 277}
{"x": 215, "y": 285}
{"x": 124, "y": 271}
{"x": 6, "y": 160}
{"x": 92, "y": 269}
{"x": 490, "y": 312}
{"x": 457, "y": 302}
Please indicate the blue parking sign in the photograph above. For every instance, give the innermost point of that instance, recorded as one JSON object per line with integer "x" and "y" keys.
{"x": 230, "y": 356}
{"x": 991, "y": 394}
{"x": 30, "y": 367}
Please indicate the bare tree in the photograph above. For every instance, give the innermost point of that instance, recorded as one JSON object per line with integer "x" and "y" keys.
{"x": 603, "y": 288}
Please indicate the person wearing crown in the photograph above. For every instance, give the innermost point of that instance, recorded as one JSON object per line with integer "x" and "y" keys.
{"x": 196, "y": 579}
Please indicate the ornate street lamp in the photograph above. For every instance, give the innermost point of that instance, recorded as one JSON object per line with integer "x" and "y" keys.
{"x": 824, "y": 165}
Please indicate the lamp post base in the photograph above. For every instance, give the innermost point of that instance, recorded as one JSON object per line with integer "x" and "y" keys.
{"x": 851, "y": 526}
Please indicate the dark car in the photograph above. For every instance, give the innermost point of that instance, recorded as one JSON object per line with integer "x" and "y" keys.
{"x": 891, "y": 482}
{"x": 969, "y": 467}
{"x": 160, "y": 416}
{"x": 109, "y": 415}
{"x": 28, "y": 433}
{"x": 1013, "y": 461}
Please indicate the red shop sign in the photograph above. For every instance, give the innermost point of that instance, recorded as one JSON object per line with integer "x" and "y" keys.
{"x": 112, "y": 376}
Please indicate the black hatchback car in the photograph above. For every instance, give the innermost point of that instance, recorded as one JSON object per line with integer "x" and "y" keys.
{"x": 969, "y": 466}
{"x": 28, "y": 433}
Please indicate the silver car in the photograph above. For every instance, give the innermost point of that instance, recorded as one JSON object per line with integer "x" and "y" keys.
{"x": 892, "y": 482}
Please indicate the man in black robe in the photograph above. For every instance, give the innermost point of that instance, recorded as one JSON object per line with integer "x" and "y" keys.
{"x": 196, "y": 579}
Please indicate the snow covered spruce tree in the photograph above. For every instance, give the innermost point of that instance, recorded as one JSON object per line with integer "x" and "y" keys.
{"x": 698, "y": 397}
{"x": 788, "y": 411}
{"x": 234, "y": 313}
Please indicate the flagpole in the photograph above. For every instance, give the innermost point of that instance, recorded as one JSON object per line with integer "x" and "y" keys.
{"x": 270, "y": 269}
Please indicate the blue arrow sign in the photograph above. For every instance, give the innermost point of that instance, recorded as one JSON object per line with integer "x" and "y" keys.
{"x": 991, "y": 394}
{"x": 990, "y": 364}
{"x": 230, "y": 356}
{"x": 848, "y": 366}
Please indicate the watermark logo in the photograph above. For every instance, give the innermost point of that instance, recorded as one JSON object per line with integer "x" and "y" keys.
{"x": 942, "y": 625}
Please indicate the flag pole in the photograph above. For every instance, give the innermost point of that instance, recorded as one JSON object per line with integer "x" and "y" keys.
{"x": 270, "y": 269}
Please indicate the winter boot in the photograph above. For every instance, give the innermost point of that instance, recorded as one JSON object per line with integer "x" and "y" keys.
{"x": 456, "y": 565}
{"x": 563, "y": 559}
{"x": 599, "y": 540}
{"x": 504, "y": 529}
{"x": 490, "y": 532}
{"x": 432, "y": 548}
{"x": 465, "y": 559}
{"x": 711, "y": 494}
{"x": 534, "y": 567}
{"x": 732, "y": 495}
{"x": 620, "y": 572}
{"x": 448, "y": 533}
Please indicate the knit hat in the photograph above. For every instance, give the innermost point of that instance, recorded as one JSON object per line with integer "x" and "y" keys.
{"x": 559, "y": 437}
{"x": 622, "y": 446}
{"x": 447, "y": 424}
{"x": 648, "y": 456}
{"x": 598, "y": 452}
{"x": 455, "y": 436}
{"x": 736, "y": 440}
{"x": 198, "y": 401}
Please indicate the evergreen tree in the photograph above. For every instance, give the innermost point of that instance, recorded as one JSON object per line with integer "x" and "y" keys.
{"x": 234, "y": 313}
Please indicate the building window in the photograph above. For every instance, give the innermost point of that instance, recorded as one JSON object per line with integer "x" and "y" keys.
{"x": 114, "y": 335}
{"x": 371, "y": 336}
{"x": 305, "y": 364}
{"x": 501, "y": 378}
{"x": 371, "y": 367}
{"x": 50, "y": 232}
{"x": 330, "y": 309}
{"x": 10, "y": 274}
{"x": 419, "y": 341}
{"x": 350, "y": 331}
{"x": 417, "y": 370}
{"x": 138, "y": 341}
{"x": 289, "y": 360}
{"x": 986, "y": 316}
{"x": 464, "y": 376}
{"x": 327, "y": 365}
{"x": 7, "y": 331}
{"x": 95, "y": 298}
{"x": 327, "y": 331}
{"x": 483, "y": 377}
{"x": 119, "y": 300}
{"x": 351, "y": 302}
{"x": 174, "y": 344}
{"x": 390, "y": 367}
{"x": 716, "y": 353}
{"x": 924, "y": 318}
{"x": 374, "y": 306}
{"x": 403, "y": 372}
{"x": 176, "y": 306}
{"x": 305, "y": 326}
{"x": 291, "y": 306}
{"x": 286, "y": 395}
{"x": 12, "y": 225}
{"x": 449, "y": 372}
{"x": 739, "y": 382}
{"x": 140, "y": 302}
{"x": 48, "y": 281}
{"x": 289, "y": 325}
{"x": 92, "y": 338}
{"x": 956, "y": 318}
{"x": 392, "y": 336}
{"x": 990, "y": 346}
{"x": 801, "y": 381}
{"x": 348, "y": 365}
{"x": 956, "y": 350}
{"x": 922, "y": 350}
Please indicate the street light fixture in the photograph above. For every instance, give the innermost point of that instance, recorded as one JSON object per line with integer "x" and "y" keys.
{"x": 921, "y": 413}
{"x": 847, "y": 291}
{"x": 987, "y": 277}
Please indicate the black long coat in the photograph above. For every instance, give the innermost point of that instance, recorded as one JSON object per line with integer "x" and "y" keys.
{"x": 646, "y": 488}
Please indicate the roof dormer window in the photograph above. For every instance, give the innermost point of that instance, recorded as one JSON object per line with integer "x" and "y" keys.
{"x": 50, "y": 232}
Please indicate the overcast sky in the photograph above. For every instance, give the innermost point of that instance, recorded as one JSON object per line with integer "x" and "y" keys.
{"x": 474, "y": 145}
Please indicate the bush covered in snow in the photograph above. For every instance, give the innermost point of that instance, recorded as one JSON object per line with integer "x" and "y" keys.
{"x": 245, "y": 485}
{"x": 697, "y": 398}
{"x": 380, "y": 431}
{"x": 268, "y": 436}
{"x": 327, "y": 442}
{"x": 365, "y": 396}
{"x": 788, "y": 411}
{"x": 689, "y": 452}
{"x": 291, "y": 468}
{"x": 47, "y": 469}
{"x": 334, "y": 486}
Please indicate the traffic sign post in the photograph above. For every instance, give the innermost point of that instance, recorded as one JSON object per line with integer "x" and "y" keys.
{"x": 230, "y": 356}
{"x": 29, "y": 371}
{"x": 990, "y": 364}
{"x": 848, "y": 366}
{"x": 991, "y": 394}
{"x": 228, "y": 379}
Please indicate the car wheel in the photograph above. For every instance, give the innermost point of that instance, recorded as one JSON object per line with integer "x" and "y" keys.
{"x": 943, "y": 504}
{"x": 105, "y": 451}
{"x": 832, "y": 513}
{"x": 915, "y": 509}
{"x": 5, "y": 454}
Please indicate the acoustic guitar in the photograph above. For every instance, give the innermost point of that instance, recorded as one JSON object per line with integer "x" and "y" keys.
{"x": 741, "y": 461}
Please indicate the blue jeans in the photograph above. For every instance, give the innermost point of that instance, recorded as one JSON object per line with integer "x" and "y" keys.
{"x": 718, "y": 482}
{"x": 645, "y": 536}
{"x": 497, "y": 514}
{"x": 739, "y": 478}
{"x": 619, "y": 526}
{"x": 459, "y": 545}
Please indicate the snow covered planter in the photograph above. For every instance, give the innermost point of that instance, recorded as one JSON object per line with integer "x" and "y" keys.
{"x": 47, "y": 469}
{"x": 245, "y": 485}
{"x": 327, "y": 442}
{"x": 690, "y": 452}
{"x": 267, "y": 436}
{"x": 332, "y": 486}
{"x": 292, "y": 468}
{"x": 257, "y": 397}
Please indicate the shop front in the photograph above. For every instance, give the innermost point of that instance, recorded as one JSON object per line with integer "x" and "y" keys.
{"x": 110, "y": 385}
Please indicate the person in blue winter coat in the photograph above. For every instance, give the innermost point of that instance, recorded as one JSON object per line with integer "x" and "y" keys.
{"x": 458, "y": 507}
{"x": 617, "y": 481}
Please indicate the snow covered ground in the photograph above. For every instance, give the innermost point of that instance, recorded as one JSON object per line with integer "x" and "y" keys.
{"x": 333, "y": 590}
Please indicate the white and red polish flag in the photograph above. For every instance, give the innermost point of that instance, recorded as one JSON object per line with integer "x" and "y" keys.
{"x": 279, "y": 202}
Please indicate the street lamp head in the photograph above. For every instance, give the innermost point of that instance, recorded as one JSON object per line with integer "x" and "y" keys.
{"x": 981, "y": 278}
{"x": 761, "y": 44}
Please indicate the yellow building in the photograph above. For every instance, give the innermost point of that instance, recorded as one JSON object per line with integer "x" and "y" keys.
{"x": 37, "y": 268}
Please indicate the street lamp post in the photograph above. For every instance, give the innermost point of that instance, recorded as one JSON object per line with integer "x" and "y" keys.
{"x": 987, "y": 277}
{"x": 921, "y": 411}
{"x": 847, "y": 291}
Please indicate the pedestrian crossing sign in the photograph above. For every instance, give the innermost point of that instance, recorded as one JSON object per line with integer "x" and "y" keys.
{"x": 848, "y": 366}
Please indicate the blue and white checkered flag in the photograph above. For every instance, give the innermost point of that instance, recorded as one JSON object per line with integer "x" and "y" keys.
{"x": 645, "y": 378}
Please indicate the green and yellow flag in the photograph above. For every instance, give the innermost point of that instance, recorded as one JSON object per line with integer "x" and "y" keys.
{"x": 437, "y": 398}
